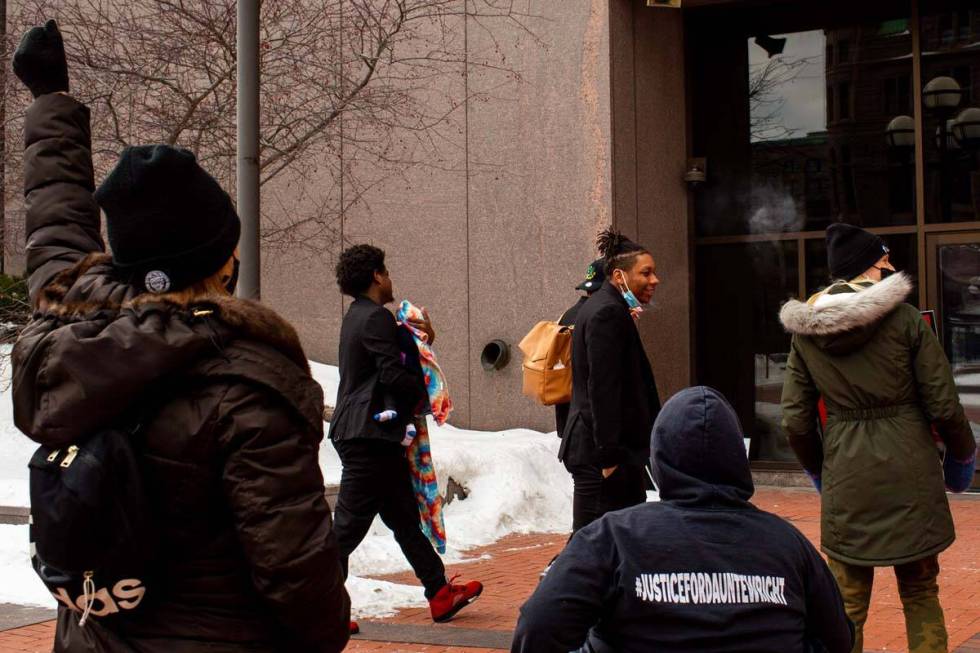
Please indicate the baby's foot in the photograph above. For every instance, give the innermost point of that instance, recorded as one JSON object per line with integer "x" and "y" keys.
{"x": 386, "y": 416}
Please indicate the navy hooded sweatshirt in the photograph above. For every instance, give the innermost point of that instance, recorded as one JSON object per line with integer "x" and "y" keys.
{"x": 701, "y": 570}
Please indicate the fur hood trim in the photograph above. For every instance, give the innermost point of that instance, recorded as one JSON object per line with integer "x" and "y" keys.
{"x": 838, "y": 313}
{"x": 243, "y": 318}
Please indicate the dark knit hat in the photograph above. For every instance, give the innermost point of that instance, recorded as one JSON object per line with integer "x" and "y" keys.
{"x": 170, "y": 224}
{"x": 852, "y": 250}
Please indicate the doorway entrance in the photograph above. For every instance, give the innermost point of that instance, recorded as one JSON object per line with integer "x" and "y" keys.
{"x": 812, "y": 114}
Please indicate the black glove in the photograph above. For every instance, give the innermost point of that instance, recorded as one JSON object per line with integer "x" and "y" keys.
{"x": 40, "y": 62}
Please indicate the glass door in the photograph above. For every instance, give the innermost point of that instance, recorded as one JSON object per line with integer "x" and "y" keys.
{"x": 953, "y": 261}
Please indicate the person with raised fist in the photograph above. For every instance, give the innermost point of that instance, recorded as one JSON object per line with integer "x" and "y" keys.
{"x": 228, "y": 419}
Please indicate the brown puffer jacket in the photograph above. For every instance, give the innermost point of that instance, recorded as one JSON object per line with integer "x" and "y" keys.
{"x": 233, "y": 423}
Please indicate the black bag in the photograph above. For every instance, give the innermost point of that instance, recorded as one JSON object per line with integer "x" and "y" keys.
{"x": 92, "y": 537}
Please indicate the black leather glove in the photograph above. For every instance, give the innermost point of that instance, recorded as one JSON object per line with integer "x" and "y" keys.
{"x": 40, "y": 62}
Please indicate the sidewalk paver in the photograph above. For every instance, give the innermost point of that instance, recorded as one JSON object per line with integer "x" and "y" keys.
{"x": 509, "y": 570}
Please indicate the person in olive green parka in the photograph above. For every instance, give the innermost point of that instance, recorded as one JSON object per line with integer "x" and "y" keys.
{"x": 886, "y": 382}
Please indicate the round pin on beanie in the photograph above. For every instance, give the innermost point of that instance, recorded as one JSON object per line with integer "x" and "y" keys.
{"x": 170, "y": 224}
{"x": 851, "y": 251}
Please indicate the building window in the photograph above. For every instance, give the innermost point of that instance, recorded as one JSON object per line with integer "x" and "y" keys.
{"x": 805, "y": 146}
{"x": 904, "y": 94}
{"x": 964, "y": 75}
{"x": 946, "y": 28}
{"x": 847, "y": 177}
{"x": 952, "y": 173}
{"x": 897, "y": 96}
{"x": 843, "y": 100}
{"x": 963, "y": 24}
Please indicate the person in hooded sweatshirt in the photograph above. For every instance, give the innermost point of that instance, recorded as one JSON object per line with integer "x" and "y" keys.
{"x": 886, "y": 384}
{"x": 700, "y": 570}
{"x": 231, "y": 419}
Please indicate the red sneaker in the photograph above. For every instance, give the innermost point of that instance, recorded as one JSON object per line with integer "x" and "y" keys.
{"x": 453, "y": 598}
{"x": 354, "y": 628}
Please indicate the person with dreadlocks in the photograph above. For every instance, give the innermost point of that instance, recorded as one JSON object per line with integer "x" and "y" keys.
{"x": 606, "y": 441}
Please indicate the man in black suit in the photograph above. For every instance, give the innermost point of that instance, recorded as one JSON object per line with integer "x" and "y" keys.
{"x": 606, "y": 442}
{"x": 376, "y": 479}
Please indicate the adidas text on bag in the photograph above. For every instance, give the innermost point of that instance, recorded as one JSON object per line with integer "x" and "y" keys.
{"x": 93, "y": 543}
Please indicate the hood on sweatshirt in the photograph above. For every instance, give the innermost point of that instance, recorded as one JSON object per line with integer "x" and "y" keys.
{"x": 697, "y": 451}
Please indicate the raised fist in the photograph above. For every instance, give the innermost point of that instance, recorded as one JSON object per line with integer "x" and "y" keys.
{"x": 40, "y": 62}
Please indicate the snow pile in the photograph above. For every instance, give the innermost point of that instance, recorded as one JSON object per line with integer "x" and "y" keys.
{"x": 20, "y": 584}
{"x": 15, "y": 449}
{"x": 514, "y": 483}
{"x": 513, "y": 480}
{"x": 372, "y": 599}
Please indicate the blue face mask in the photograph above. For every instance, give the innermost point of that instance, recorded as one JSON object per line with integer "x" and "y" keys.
{"x": 634, "y": 304}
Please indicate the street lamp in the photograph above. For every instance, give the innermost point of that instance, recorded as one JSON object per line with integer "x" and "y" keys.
{"x": 966, "y": 128}
{"x": 900, "y": 132}
{"x": 941, "y": 96}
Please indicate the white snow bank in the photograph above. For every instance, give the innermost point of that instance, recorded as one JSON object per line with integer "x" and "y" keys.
{"x": 15, "y": 448}
{"x": 19, "y": 582}
{"x": 371, "y": 599}
{"x": 328, "y": 376}
{"x": 514, "y": 481}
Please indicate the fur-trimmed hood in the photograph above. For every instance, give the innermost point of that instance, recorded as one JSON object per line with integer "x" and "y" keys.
{"x": 96, "y": 350}
{"x": 245, "y": 318}
{"x": 844, "y": 308}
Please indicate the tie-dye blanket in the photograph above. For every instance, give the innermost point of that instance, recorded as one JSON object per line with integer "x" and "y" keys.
{"x": 424, "y": 480}
{"x": 435, "y": 380}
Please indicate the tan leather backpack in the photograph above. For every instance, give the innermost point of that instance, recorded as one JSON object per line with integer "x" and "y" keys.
{"x": 547, "y": 363}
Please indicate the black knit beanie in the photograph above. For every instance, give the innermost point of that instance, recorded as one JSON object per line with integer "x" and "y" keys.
{"x": 170, "y": 224}
{"x": 851, "y": 251}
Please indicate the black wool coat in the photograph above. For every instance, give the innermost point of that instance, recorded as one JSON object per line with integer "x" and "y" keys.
{"x": 614, "y": 393}
{"x": 372, "y": 365}
{"x": 567, "y": 319}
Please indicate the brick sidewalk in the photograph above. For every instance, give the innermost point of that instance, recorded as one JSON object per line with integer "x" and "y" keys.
{"x": 511, "y": 571}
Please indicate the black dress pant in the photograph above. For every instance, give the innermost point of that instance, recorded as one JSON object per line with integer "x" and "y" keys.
{"x": 594, "y": 496}
{"x": 376, "y": 481}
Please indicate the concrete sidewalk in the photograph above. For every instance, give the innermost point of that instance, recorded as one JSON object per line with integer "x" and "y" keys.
{"x": 509, "y": 570}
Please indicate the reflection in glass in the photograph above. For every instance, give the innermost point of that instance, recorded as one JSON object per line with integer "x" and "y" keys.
{"x": 950, "y": 59}
{"x": 960, "y": 320}
{"x": 742, "y": 346}
{"x": 790, "y": 104}
{"x": 810, "y": 146}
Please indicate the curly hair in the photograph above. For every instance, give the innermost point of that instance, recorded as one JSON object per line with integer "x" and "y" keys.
{"x": 356, "y": 267}
{"x": 618, "y": 251}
